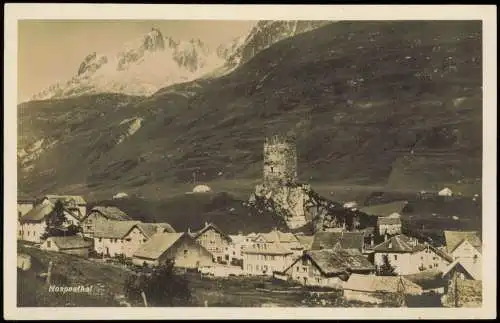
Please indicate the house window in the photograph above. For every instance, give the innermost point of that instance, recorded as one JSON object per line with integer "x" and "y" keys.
{"x": 257, "y": 267}
{"x": 100, "y": 239}
{"x": 304, "y": 262}
{"x": 395, "y": 257}
{"x": 48, "y": 243}
{"x": 185, "y": 253}
{"x": 475, "y": 258}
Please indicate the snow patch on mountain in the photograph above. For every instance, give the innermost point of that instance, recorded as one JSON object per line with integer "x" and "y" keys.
{"x": 134, "y": 125}
{"x": 27, "y": 156}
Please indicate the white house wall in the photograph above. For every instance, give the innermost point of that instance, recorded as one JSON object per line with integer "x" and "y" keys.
{"x": 261, "y": 264}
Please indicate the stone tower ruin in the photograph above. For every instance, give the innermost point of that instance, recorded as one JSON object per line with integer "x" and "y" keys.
{"x": 280, "y": 161}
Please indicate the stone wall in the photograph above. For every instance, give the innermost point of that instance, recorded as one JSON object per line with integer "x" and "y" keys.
{"x": 469, "y": 293}
{"x": 280, "y": 161}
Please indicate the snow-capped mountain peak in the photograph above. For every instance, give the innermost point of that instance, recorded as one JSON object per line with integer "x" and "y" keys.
{"x": 154, "y": 61}
{"x": 141, "y": 67}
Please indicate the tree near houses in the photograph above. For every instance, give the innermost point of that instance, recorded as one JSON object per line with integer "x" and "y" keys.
{"x": 386, "y": 269}
{"x": 56, "y": 223}
{"x": 161, "y": 286}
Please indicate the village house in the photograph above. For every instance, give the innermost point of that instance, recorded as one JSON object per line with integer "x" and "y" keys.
{"x": 179, "y": 247}
{"x": 408, "y": 256}
{"x": 114, "y": 238}
{"x": 238, "y": 243}
{"x": 100, "y": 214}
{"x": 214, "y": 240}
{"x": 378, "y": 289}
{"x": 467, "y": 247}
{"x": 73, "y": 245}
{"x": 328, "y": 268}
{"x": 24, "y": 205}
{"x": 33, "y": 224}
{"x": 462, "y": 272}
{"x": 262, "y": 258}
{"x": 73, "y": 203}
{"x": 333, "y": 240}
{"x": 286, "y": 239}
{"x": 390, "y": 225}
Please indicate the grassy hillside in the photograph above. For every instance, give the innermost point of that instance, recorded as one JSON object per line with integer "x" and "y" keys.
{"x": 193, "y": 210}
{"x": 107, "y": 280}
{"x": 394, "y": 104}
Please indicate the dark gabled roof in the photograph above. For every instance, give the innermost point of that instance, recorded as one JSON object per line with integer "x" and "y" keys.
{"x": 455, "y": 238}
{"x": 335, "y": 262}
{"x": 279, "y": 237}
{"x": 149, "y": 229}
{"x": 347, "y": 240}
{"x": 441, "y": 253}
{"x": 41, "y": 211}
{"x": 427, "y": 279}
{"x": 469, "y": 270}
{"x": 158, "y": 244}
{"x": 207, "y": 227}
{"x": 114, "y": 229}
{"x": 399, "y": 243}
{"x": 111, "y": 213}
{"x": 71, "y": 242}
{"x": 306, "y": 241}
{"x": 383, "y": 284}
{"x": 384, "y": 209}
{"x": 38, "y": 213}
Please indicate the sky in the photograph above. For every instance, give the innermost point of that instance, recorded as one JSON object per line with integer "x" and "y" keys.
{"x": 52, "y": 50}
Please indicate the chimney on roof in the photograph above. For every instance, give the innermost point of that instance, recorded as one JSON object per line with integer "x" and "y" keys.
{"x": 372, "y": 241}
{"x": 189, "y": 230}
{"x": 385, "y": 236}
{"x": 206, "y": 223}
{"x": 390, "y": 244}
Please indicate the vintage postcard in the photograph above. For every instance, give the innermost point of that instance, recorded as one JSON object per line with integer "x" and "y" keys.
{"x": 245, "y": 161}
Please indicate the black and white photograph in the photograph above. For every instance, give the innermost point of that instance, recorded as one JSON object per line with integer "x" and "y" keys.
{"x": 222, "y": 161}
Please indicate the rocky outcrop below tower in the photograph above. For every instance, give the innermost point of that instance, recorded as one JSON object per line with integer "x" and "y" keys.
{"x": 299, "y": 205}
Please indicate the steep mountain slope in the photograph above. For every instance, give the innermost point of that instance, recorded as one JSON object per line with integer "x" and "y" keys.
{"x": 265, "y": 34}
{"x": 395, "y": 103}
